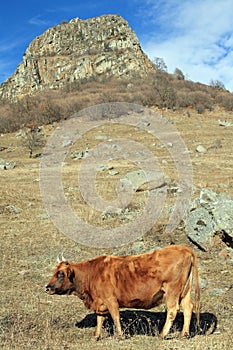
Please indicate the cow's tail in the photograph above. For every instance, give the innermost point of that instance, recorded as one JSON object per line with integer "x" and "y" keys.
{"x": 197, "y": 291}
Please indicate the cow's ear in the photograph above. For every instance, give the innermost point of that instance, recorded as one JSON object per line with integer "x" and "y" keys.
{"x": 70, "y": 274}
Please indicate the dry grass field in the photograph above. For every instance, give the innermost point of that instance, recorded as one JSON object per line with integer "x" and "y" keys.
{"x": 30, "y": 244}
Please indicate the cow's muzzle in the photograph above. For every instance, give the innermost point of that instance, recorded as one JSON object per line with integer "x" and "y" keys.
{"x": 50, "y": 289}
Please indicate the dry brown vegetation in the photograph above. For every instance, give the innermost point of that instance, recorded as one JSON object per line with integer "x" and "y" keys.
{"x": 160, "y": 89}
{"x": 30, "y": 243}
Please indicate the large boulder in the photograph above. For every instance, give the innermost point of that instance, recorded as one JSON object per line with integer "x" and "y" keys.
{"x": 210, "y": 214}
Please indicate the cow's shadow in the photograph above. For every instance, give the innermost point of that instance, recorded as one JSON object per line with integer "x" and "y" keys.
{"x": 137, "y": 322}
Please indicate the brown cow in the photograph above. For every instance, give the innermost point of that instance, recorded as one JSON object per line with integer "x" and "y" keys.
{"x": 142, "y": 281}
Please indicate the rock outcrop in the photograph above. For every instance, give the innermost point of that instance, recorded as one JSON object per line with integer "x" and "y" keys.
{"x": 210, "y": 214}
{"x": 77, "y": 51}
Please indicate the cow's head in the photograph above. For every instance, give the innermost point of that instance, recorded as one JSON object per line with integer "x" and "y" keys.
{"x": 62, "y": 280}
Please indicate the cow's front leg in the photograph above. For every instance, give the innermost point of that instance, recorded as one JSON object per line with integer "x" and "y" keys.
{"x": 100, "y": 321}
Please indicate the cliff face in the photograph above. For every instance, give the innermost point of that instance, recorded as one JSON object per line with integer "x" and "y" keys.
{"x": 77, "y": 50}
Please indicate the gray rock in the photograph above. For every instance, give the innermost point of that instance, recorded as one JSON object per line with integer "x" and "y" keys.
{"x": 4, "y": 165}
{"x": 113, "y": 172}
{"x": 102, "y": 137}
{"x": 224, "y": 123}
{"x": 142, "y": 124}
{"x": 20, "y": 133}
{"x": 13, "y": 209}
{"x": 210, "y": 214}
{"x": 201, "y": 149}
{"x": 144, "y": 181}
{"x": 104, "y": 167}
{"x": 200, "y": 228}
{"x": 79, "y": 155}
{"x": 223, "y": 216}
{"x": 127, "y": 217}
{"x": 111, "y": 212}
{"x": 43, "y": 216}
{"x": 67, "y": 143}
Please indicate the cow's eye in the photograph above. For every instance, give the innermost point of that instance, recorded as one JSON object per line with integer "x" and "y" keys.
{"x": 60, "y": 274}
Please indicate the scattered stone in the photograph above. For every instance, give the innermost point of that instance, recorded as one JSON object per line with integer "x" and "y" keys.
{"x": 203, "y": 283}
{"x": 2, "y": 148}
{"x": 130, "y": 86}
{"x": 142, "y": 125}
{"x": 105, "y": 167}
{"x": 111, "y": 212}
{"x": 174, "y": 188}
{"x": 127, "y": 216}
{"x": 123, "y": 214}
{"x": 67, "y": 143}
{"x": 186, "y": 114}
{"x": 38, "y": 155}
{"x": 102, "y": 137}
{"x": 43, "y": 216}
{"x": 142, "y": 181}
{"x": 201, "y": 149}
{"x": 113, "y": 172}
{"x": 216, "y": 291}
{"x": 79, "y": 155}
{"x": 20, "y": 133}
{"x": 13, "y": 209}
{"x": 4, "y": 165}
{"x": 136, "y": 248}
{"x": 224, "y": 123}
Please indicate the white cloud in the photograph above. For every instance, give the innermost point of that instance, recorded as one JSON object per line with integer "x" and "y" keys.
{"x": 38, "y": 21}
{"x": 196, "y": 37}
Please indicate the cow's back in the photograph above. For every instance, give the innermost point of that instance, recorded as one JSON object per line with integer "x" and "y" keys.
{"x": 138, "y": 280}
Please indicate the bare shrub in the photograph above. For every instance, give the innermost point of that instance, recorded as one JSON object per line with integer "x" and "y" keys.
{"x": 33, "y": 139}
{"x": 200, "y": 109}
{"x": 225, "y": 100}
{"x": 217, "y": 84}
{"x": 200, "y": 98}
{"x": 158, "y": 89}
{"x": 179, "y": 74}
{"x": 183, "y": 99}
{"x": 159, "y": 64}
{"x": 165, "y": 94}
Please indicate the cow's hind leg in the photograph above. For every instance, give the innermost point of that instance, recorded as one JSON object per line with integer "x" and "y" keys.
{"x": 187, "y": 307}
{"x": 172, "y": 309}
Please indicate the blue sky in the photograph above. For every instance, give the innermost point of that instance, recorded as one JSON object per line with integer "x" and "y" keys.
{"x": 195, "y": 36}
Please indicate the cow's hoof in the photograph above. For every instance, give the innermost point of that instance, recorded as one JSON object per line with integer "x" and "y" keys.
{"x": 96, "y": 338}
{"x": 161, "y": 336}
{"x": 185, "y": 335}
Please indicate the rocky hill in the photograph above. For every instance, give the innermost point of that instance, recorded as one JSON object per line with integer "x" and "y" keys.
{"x": 77, "y": 50}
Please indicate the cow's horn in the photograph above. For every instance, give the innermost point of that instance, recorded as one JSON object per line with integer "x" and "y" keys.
{"x": 63, "y": 259}
{"x": 58, "y": 259}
